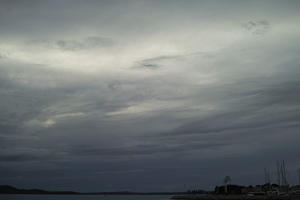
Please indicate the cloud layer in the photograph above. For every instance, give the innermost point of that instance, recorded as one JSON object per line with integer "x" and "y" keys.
{"x": 147, "y": 95}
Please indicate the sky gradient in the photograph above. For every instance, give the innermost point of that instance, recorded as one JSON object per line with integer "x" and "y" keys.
{"x": 148, "y": 95}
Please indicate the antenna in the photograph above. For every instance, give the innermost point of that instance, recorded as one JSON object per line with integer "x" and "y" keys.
{"x": 283, "y": 173}
{"x": 278, "y": 173}
{"x": 267, "y": 176}
{"x": 227, "y": 180}
{"x": 265, "y": 170}
{"x": 299, "y": 175}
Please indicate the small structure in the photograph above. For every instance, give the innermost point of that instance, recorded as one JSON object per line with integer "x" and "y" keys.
{"x": 227, "y": 180}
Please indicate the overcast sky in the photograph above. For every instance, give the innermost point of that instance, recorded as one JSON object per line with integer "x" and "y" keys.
{"x": 148, "y": 95}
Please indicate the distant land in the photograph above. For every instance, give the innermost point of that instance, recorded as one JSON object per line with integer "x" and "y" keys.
{"x": 7, "y": 189}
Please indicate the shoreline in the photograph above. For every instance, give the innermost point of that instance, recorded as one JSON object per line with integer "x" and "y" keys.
{"x": 234, "y": 197}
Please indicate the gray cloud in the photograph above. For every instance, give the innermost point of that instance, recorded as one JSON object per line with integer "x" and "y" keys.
{"x": 257, "y": 27}
{"x": 155, "y": 62}
{"x": 140, "y": 150}
{"x": 253, "y": 111}
{"x": 17, "y": 158}
{"x": 159, "y": 61}
{"x": 78, "y": 104}
{"x": 87, "y": 43}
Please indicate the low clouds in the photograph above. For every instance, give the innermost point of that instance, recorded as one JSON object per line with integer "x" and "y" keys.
{"x": 144, "y": 150}
{"x": 165, "y": 102}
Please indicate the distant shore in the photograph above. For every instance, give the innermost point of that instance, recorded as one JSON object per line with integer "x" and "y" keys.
{"x": 7, "y": 189}
{"x": 233, "y": 197}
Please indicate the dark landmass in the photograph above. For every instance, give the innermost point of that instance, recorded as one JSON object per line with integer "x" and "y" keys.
{"x": 239, "y": 192}
{"x": 235, "y": 197}
{"x": 7, "y": 189}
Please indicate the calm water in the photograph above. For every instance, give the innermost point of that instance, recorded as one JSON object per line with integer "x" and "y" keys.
{"x": 84, "y": 197}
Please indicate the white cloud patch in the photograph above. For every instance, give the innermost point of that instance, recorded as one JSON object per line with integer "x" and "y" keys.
{"x": 51, "y": 121}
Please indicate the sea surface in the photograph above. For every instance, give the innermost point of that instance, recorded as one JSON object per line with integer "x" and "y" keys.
{"x": 83, "y": 197}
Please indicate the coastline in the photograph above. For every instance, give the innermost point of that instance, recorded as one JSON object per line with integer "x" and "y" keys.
{"x": 234, "y": 197}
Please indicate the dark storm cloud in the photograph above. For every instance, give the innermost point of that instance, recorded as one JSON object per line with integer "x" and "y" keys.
{"x": 18, "y": 158}
{"x": 144, "y": 149}
{"x": 253, "y": 111}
